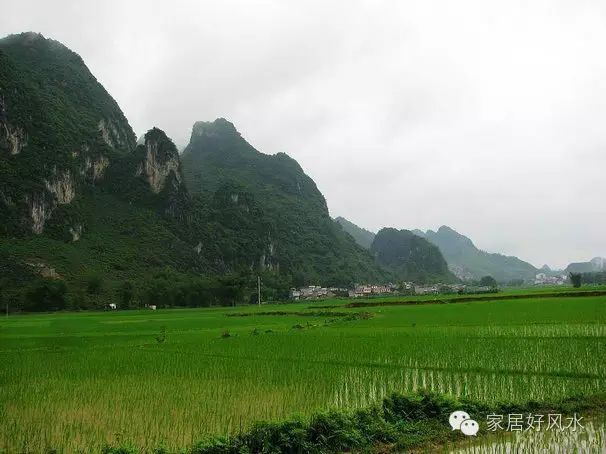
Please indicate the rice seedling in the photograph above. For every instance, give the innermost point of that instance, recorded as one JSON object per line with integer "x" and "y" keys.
{"x": 79, "y": 381}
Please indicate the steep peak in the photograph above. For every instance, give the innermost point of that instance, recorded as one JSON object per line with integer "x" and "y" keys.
{"x": 218, "y": 128}
{"x": 159, "y": 160}
{"x": 38, "y": 42}
{"x": 452, "y": 235}
{"x": 157, "y": 135}
{"x": 418, "y": 232}
{"x": 23, "y": 38}
{"x": 445, "y": 230}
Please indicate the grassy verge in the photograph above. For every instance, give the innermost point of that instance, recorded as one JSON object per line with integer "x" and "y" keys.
{"x": 398, "y": 423}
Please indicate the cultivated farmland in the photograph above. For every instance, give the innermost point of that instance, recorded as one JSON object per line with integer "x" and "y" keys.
{"x": 76, "y": 381}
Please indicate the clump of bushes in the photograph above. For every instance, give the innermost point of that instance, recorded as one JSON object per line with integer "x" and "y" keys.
{"x": 398, "y": 423}
{"x": 161, "y": 337}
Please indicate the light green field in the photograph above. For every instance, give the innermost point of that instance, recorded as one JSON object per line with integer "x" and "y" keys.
{"x": 76, "y": 381}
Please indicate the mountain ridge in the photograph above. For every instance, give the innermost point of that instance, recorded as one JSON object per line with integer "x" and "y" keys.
{"x": 81, "y": 197}
{"x": 464, "y": 259}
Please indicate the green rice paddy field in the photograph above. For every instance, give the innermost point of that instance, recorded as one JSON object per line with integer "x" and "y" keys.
{"x": 74, "y": 381}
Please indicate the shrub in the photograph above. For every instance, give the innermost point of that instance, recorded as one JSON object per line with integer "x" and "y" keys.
{"x": 47, "y": 295}
{"x": 94, "y": 285}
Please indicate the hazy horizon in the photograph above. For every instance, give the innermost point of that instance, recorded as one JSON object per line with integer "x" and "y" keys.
{"x": 488, "y": 118}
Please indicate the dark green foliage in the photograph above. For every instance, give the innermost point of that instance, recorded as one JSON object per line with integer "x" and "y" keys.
{"x": 576, "y": 279}
{"x": 488, "y": 281}
{"x": 94, "y": 284}
{"x": 594, "y": 278}
{"x": 285, "y": 218}
{"x": 401, "y": 422}
{"x": 411, "y": 257}
{"x": 169, "y": 289}
{"x": 57, "y": 106}
{"x": 161, "y": 337}
{"x": 118, "y": 450}
{"x": 15, "y": 279}
{"x": 47, "y": 295}
{"x": 416, "y": 407}
{"x": 125, "y": 294}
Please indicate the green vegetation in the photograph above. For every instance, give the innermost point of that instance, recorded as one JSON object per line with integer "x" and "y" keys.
{"x": 80, "y": 201}
{"x": 597, "y": 278}
{"x": 410, "y": 257}
{"x": 488, "y": 281}
{"x": 463, "y": 257}
{"x": 399, "y": 422}
{"x": 107, "y": 379}
{"x": 51, "y": 102}
{"x": 88, "y": 219}
{"x": 362, "y": 236}
{"x": 576, "y": 279}
{"x": 291, "y": 229}
{"x": 469, "y": 262}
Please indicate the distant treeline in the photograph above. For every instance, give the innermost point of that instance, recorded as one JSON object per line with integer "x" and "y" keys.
{"x": 594, "y": 278}
{"x": 21, "y": 289}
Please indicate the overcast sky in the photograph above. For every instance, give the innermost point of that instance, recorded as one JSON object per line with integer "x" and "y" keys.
{"x": 487, "y": 116}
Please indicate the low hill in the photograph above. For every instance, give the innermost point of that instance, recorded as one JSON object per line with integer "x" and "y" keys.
{"x": 464, "y": 259}
{"x": 596, "y": 264}
{"x": 410, "y": 257}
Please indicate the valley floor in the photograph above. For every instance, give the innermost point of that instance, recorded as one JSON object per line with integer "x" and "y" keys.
{"x": 75, "y": 381}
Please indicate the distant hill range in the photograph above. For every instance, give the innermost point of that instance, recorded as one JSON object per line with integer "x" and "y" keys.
{"x": 464, "y": 259}
{"x": 596, "y": 264}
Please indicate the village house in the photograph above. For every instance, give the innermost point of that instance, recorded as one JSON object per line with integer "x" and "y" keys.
{"x": 310, "y": 292}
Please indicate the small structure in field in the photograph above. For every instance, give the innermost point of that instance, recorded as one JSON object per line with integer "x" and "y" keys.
{"x": 113, "y": 306}
{"x": 152, "y": 307}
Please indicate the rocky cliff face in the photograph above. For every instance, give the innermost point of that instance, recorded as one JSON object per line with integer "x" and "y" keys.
{"x": 161, "y": 161}
{"x": 40, "y": 207}
{"x": 93, "y": 168}
{"x": 49, "y": 150}
{"x": 12, "y": 138}
{"x": 156, "y": 164}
